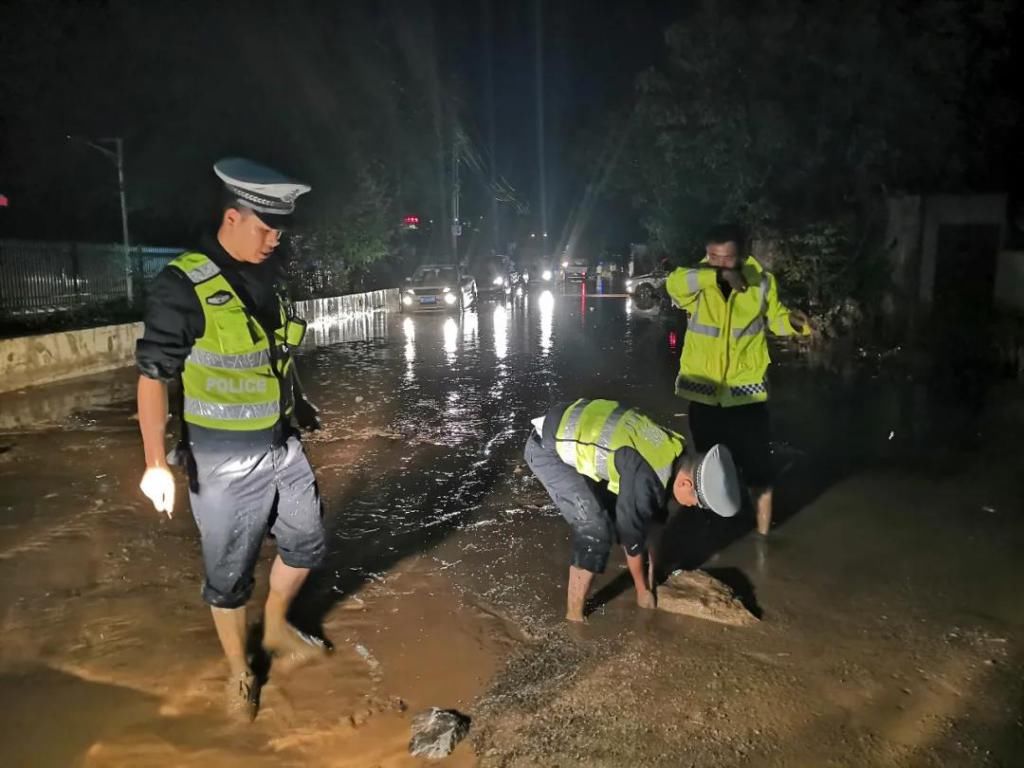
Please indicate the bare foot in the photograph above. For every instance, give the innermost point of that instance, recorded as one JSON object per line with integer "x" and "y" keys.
{"x": 242, "y": 697}
{"x": 292, "y": 647}
{"x": 646, "y": 599}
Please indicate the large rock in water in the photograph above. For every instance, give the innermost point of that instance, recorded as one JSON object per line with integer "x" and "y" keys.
{"x": 695, "y": 593}
{"x": 436, "y": 732}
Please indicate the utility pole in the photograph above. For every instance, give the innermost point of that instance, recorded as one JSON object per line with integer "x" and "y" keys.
{"x": 539, "y": 88}
{"x": 456, "y": 224}
{"x": 116, "y": 156}
{"x": 119, "y": 144}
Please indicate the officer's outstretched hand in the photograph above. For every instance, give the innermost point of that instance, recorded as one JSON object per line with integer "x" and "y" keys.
{"x": 158, "y": 486}
{"x": 800, "y": 322}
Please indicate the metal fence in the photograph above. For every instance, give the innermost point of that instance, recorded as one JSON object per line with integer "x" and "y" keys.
{"x": 52, "y": 278}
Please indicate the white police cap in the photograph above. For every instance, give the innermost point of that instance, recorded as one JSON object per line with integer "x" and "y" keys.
{"x": 263, "y": 190}
{"x": 718, "y": 483}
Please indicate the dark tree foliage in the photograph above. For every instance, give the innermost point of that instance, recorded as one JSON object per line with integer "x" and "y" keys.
{"x": 345, "y": 95}
{"x": 797, "y": 117}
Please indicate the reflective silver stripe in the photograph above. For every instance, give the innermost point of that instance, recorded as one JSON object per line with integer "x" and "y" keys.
{"x": 568, "y": 432}
{"x": 692, "y": 280}
{"x": 692, "y": 326}
{"x": 233, "y": 362}
{"x": 202, "y": 273}
{"x": 757, "y": 324}
{"x": 602, "y": 451}
{"x": 697, "y": 327}
{"x": 664, "y": 474}
{"x": 755, "y": 327}
{"x": 779, "y": 326}
{"x": 239, "y": 412}
{"x": 565, "y": 437}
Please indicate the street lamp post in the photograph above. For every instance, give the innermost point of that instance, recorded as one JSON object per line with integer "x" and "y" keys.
{"x": 116, "y": 156}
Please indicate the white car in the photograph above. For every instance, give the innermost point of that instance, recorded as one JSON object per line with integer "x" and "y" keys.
{"x": 438, "y": 287}
{"x": 648, "y": 291}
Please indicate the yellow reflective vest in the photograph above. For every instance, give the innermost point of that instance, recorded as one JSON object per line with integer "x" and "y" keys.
{"x": 235, "y": 378}
{"x": 725, "y": 353}
{"x": 590, "y": 431}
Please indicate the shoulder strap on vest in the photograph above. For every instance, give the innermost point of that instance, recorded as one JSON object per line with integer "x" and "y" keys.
{"x": 198, "y": 267}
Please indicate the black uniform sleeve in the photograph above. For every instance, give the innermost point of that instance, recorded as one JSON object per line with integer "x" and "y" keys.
{"x": 641, "y": 499}
{"x": 174, "y": 320}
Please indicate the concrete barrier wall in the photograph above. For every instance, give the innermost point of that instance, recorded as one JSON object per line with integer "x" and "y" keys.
{"x": 316, "y": 310}
{"x": 29, "y": 361}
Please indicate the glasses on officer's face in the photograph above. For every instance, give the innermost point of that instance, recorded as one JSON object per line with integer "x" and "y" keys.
{"x": 270, "y": 232}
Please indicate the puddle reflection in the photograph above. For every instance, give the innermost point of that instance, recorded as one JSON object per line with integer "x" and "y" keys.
{"x": 451, "y": 340}
{"x": 500, "y": 332}
{"x": 469, "y": 329}
{"x": 546, "y": 304}
{"x": 410, "y": 349}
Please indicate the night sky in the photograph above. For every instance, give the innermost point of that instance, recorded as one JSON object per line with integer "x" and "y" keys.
{"x": 310, "y": 87}
{"x": 242, "y": 80}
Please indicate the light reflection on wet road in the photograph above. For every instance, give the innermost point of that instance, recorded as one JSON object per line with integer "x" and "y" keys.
{"x": 450, "y": 399}
{"x": 424, "y": 418}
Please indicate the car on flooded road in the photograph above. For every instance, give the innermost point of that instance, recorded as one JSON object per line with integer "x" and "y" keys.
{"x": 541, "y": 273}
{"x": 439, "y": 288}
{"x": 498, "y": 278}
{"x": 575, "y": 270}
{"x": 648, "y": 291}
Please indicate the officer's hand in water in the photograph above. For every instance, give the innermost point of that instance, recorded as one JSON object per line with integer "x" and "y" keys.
{"x": 307, "y": 415}
{"x": 158, "y": 486}
{"x": 735, "y": 279}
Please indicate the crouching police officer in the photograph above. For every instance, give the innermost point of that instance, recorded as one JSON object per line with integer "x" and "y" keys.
{"x": 574, "y": 447}
{"x": 216, "y": 320}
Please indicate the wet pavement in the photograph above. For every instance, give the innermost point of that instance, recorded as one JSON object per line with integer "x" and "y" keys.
{"x": 889, "y": 595}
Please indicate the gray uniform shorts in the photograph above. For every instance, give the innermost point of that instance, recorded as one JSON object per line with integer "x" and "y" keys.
{"x": 240, "y": 498}
{"x": 575, "y": 496}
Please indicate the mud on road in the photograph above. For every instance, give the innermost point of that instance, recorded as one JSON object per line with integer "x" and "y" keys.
{"x": 891, "y": 623}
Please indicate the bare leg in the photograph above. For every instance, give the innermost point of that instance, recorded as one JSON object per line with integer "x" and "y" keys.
{"x": 285, "y": 583}
{"x": 241, "y": 691}
{"x": 579, "y": 585}
{"x": 764, "y": 510}
{"x": 230, "y": 625}
{"x": 279, "y": 637}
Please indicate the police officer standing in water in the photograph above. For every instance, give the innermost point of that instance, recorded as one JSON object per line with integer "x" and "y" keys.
{"x": 216, "y": 321}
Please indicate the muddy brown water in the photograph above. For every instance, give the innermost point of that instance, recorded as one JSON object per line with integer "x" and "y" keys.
{"x": 889, "y": 598}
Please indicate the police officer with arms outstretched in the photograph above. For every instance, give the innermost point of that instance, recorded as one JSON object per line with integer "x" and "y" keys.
{"x": 577, "y": 447}
{"x": 217, "y": 321}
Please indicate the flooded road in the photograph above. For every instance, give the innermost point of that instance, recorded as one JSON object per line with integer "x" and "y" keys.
{"x": 889, "y": 596}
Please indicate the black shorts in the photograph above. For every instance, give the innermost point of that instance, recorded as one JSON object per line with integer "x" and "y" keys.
{"x": 745, "y": 430}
